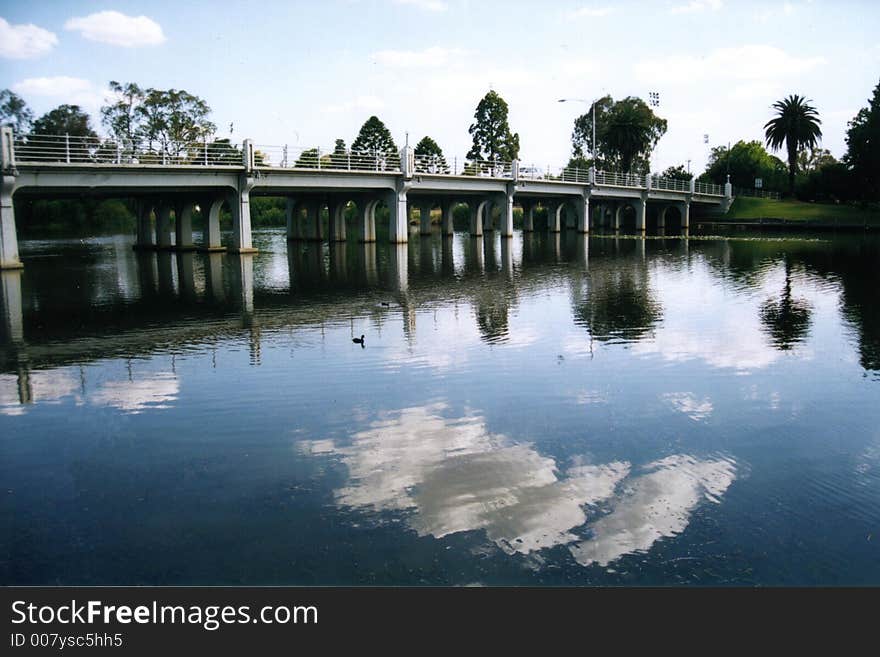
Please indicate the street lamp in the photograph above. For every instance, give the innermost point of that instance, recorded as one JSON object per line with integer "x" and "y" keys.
{"x": 581, "y": 100}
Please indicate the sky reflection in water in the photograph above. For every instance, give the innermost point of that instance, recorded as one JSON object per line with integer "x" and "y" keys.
{"x": 551, "y": 411}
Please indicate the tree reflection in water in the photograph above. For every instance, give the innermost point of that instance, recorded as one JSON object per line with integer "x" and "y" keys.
{"x": 787, "y": 319}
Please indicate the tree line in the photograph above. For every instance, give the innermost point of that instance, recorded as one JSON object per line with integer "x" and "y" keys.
{"x": 626, "y": 133}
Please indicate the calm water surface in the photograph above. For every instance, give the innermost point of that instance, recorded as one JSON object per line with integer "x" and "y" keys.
{"x": 552, "y": 410}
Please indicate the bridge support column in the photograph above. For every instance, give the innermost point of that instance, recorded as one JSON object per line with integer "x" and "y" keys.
{"x": 211, "y": 217}
{"x": 314, "y": 230}
{"x": 478, "y": 209}
{"x": 425, "y": 219}
{"x": 240, "y": 204}
{"x": 367, "y": 219}
{"x": 641, "y": 207}
{"x": 144, "y": 234}
{"x": 617, "y": 216}
{"x": 446, "y": 225}
{"x": 183, "y": 227}
{"x": 8, "y": 239}
{"x": 291, "y": 215}
{"x": 398, "y": 218}
{"x": 582, "y": 205}
{"x": 336, "y": 212}
{"x": 661, "y": 217}
{"x": 505, "y": 202}
{"x": 528, "y": 209}
{"x": 163, "y": 227}
{"x": 554, "y": 210}
{"x": 685, "y": 209}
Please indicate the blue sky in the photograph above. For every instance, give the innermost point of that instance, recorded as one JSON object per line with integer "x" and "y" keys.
{"x": 305, "y": 73}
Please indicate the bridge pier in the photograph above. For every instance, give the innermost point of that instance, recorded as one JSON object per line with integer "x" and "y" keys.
{"x": 446, "y": 225}
{"x": 425, "y": 218}
{"x": 314, "y": 229}
{"x": 183, "y": 227}
{"x": 582, "y": 206}
{"x": 617, "y": 216}
{"x": 163, "y": 227}
{"x": 8, "y": 239}
{"x": 240, "y": 204}
{"x": 291, "y": 214}
{"x": 685, "y": 210}
{"x": 554, "y": 210}
{"x": 528, "y": 208}
{"x": 505, "y": 202}
{"x": 478, "y": 209}
{"x": 367, "y": 219}
{"x": 398, "y": 216}
{"x": 144, "y": 240}
{"x": 336, "y": 212}
{"x": 211, "y": 218}
{"x": 641, "y": 208}
{"x": 661, "y": 218}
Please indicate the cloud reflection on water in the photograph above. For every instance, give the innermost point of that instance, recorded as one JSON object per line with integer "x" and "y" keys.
{"x": 452, "y": 475}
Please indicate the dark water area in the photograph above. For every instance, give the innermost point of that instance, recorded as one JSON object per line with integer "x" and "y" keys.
{"x": 546, "y": 410}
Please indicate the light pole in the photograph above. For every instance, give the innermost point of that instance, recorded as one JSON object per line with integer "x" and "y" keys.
{"x": 581, "y": 100}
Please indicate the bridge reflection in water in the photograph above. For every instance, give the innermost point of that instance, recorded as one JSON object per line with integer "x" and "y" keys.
{"x": 164, "y": 301}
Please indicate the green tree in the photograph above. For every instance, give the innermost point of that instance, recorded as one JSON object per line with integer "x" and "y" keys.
{"x": 745, "y": 162}
{"x": 677, "y": 173}
{"x": 121, "y": 118}
{"x": 65, "y": 120}
{"x": 863, "y": 148}
{"x": 308, "y": 159}
{"x": 582, "y": 135}
{"x": 492, "y": 139}
{"x": 429, "y": 157}
{"x": 632, "y": 132}
{"x": 173, "y": 119}
{"x": 796, "y": 124}
{"x": 813, "y": 159}
{"x": 15, "y": 113}
{"x": 374, "y": 146}
{"x": 339, "y": 158}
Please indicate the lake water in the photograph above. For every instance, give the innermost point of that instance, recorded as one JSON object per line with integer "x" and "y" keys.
{"x": 544, "y": 410}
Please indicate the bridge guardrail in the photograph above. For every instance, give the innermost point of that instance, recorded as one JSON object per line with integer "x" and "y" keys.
{"x": 66, "y": 149}
{"x": 94, "y": 150}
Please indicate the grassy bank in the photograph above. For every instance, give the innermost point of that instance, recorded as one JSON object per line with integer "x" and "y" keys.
{"x": 763, "y": 210}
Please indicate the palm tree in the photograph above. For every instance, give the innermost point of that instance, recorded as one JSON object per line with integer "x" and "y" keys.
{"x": 797, "y": 124}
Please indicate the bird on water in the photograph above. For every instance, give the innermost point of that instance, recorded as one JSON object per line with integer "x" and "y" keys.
{"x": 359, "y": 340}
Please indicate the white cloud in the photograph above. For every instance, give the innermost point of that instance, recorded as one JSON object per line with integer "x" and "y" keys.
{"x": 427, "y": 5}
{"x": 687, "y": 403}
{"x": 655, "y": 505}
{"x": 24, "y": 41}
{"x": 696, "y": 6}
{"x": 430, "y": 57}
{"x": 361, "y": 103}
{"x": 73, "y": 91}
{"x": 159, "y": 390}
{"x": 118, "y": 29}
{"x": 750, "y": 62}
{"x": 592, "y": 12}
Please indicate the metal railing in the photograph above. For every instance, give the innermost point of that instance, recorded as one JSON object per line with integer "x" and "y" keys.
{"x": 283, "y": 157}
{"x": 90, "y": 150}
{"x": 94, "y": 150}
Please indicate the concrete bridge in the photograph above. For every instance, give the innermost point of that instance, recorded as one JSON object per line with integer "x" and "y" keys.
{"x": 174, "y": 179}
